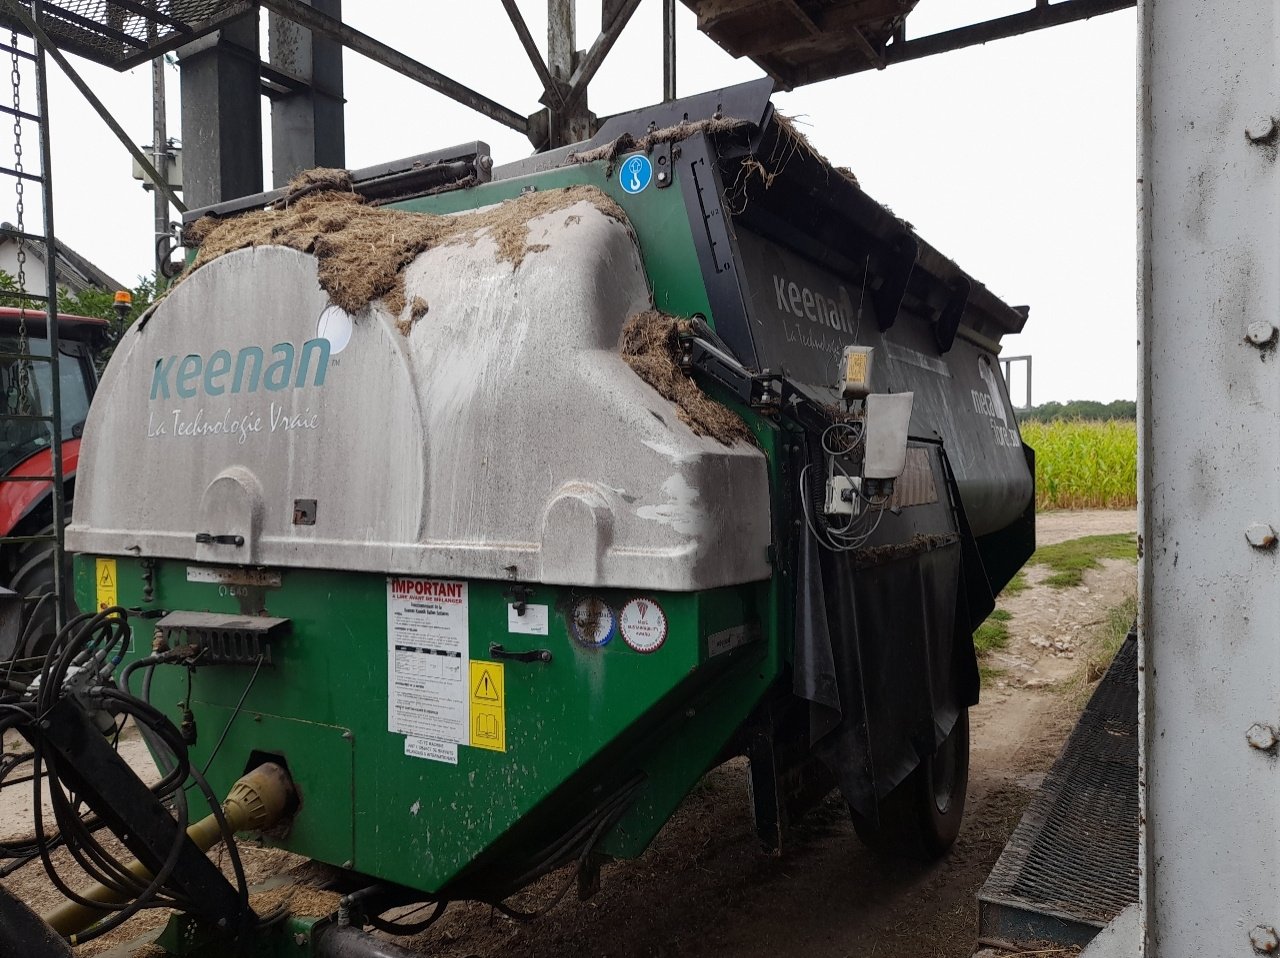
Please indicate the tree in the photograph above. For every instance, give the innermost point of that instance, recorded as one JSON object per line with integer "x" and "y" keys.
{"x": 99, "y": 303}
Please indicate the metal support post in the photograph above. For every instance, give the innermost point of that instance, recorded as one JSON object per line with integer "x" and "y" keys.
{"x": 222, "y": 115}
{"x": 160, "y": 157}
{"x": 307, "y": 125}
{"x": 569, "y": 122}
{"x": 1209, "y": 488}
{"x": 668, "y": 50}
{"x": 51, "y": 319}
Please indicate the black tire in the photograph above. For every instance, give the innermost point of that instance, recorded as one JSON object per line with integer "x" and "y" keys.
{"x": 921, "y": 818}
{"x": 33, "y": 577}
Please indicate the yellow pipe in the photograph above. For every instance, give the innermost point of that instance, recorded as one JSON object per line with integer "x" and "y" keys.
{"x": 255, "y": 803}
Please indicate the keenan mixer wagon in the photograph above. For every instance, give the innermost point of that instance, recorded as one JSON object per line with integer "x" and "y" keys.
{"x": 470, "y": 516}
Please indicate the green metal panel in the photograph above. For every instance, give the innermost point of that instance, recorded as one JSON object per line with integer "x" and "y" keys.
{"x": 322, "y": 707}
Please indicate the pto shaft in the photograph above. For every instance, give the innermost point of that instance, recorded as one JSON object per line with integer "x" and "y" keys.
{"x": 256, "y": 802}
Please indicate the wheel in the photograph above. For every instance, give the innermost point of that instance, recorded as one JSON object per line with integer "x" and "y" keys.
{"x": 33, "y": 576}
{"x": 921, "y": 817}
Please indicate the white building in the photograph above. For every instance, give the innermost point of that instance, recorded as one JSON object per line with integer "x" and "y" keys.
{"x": 75, "y": 273}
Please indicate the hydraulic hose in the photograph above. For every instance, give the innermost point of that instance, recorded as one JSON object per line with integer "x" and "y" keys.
{"x": 257, "y": 801}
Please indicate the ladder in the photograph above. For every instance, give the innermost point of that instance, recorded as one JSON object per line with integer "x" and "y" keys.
{"x": 22, "y": 407}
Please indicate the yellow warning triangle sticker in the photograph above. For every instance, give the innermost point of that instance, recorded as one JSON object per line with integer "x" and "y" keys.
{"x": 485, "y": 688}
{"x": 105, "y": 579}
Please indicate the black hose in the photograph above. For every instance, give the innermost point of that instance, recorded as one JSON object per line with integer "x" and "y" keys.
{"x": 99, "y": 641}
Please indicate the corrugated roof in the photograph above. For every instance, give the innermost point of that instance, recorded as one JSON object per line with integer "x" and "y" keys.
{"x": 74, "y": 271}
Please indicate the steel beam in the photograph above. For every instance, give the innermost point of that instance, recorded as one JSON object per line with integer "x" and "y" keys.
{"x": 1209, "y": 467}
{"x": 668, "y": 50}
{"x": 222, "y": 114}
{"x": 551, "y": 90}
{"x": 307, "y": 16}
{"x": 569, "y": 120}
{"x": 1041, "y": 16}
{"x": 307, "y": 124}
{"x": 594, "y": 59}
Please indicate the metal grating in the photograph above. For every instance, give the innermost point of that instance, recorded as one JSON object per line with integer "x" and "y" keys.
{"x": 124, "y": 33}
{"x": 1071, "y": 865}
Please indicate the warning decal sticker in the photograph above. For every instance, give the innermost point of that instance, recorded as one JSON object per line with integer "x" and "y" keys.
{"x": 489, "y": 706}
{"x": 643, "y": 625}
{"x": 427, "y": 659}
{"x": 107, "y": 583}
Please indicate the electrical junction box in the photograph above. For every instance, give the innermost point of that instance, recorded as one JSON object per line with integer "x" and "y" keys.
{"x": 855, "y": 372}
{"x": 842, "y": 496}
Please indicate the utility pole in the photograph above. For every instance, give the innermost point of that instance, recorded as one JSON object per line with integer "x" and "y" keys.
{"x": 160, "y": 159}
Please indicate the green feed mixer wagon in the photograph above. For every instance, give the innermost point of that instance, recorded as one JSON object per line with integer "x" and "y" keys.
{"x": 454, "y": 520}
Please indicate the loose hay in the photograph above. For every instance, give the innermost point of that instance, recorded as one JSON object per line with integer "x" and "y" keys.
{"x": 651, "y": 347}
{"x": 301, "y": 900}
{"x": 363, "y": 250}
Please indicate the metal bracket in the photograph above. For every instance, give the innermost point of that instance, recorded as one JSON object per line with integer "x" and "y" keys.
{"x": 888, "y": 298}
{"x": 210, "y": 539}
{"x": 226, "y": 639}
{"x": 948, "y": 323}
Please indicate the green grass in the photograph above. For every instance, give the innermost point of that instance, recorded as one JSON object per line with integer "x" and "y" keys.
{"x": 1068, "y": 561}
{"x": 1017, "y": 584}
{"x": 1082, "y": 464}
{"x": 993, "y": 634}
{"x": 1103, "y": 644}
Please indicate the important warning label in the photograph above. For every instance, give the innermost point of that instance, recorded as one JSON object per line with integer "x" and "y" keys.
{"x": 427, "y": 659}
{"x": 106, "y": 584}
{"x": 488, "y": 706}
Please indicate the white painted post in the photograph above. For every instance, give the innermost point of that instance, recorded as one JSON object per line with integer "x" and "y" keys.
{"x": 1209, "y": 289}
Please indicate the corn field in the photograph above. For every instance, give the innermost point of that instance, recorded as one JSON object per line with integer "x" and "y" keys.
{"x": 1084, "y": 465}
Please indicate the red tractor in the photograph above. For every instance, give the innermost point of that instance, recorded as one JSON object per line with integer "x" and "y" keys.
{"x": 26, "y": 451}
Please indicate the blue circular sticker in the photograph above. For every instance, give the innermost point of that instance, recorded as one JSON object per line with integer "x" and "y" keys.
{"x": 592, "y": 623}
{"x": 637, "y": 171}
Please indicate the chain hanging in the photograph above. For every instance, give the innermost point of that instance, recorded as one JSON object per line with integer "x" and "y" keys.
{"x": 24, "y": 346}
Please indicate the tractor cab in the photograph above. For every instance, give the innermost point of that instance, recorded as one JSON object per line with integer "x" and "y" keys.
{"x": 80, "y": 339}
{"x": 26, "y": 455}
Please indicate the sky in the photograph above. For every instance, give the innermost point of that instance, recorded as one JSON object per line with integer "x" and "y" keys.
{"x": 1016, "y": 159}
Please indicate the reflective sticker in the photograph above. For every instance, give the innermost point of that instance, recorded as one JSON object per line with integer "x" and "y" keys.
{"x": 643, "y": 625}
{"x": 334, "y": 325}
{"x": 489, "y": 706}
{"x": 726, "y": 640}
{"x": 636, "y": 173}
{"x": 592, "y": 623}
{"x": 107, "y": 583}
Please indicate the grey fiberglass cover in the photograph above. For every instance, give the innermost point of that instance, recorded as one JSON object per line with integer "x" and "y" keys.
{"x": 502, "y": 430}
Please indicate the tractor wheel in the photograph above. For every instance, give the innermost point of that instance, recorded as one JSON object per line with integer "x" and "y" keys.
{"x": 33, "y": 576}
{"x": 921, "y": 817}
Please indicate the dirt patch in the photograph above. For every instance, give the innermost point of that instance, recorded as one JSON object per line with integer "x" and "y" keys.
{"x": 651, "y": 347}
{"x": 1052, "y": 527}
{"x": 363, "y": 250}
{"x": 1049, "y": 629}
